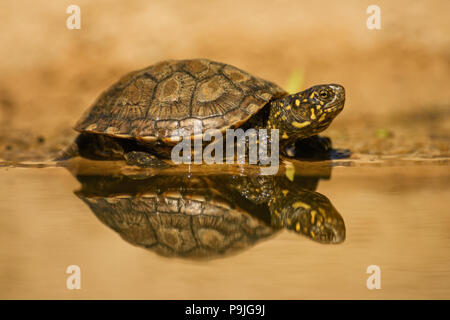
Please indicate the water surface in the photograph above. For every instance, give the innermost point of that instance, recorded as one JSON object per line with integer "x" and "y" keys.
{"x": 396, "y": 217}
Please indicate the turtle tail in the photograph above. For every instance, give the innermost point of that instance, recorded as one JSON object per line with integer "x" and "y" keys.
{"x": 69, "y": 152}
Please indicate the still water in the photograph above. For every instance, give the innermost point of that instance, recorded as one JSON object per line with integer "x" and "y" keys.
{"x": 308, "y": 234}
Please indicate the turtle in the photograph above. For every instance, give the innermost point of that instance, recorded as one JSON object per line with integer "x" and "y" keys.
{"x": 142, "y": 116}
{"x": 209, "y": 216}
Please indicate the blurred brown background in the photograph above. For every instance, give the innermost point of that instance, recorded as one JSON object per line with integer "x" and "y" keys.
{"x": 396, "y": 78}
{"x": 398, "y": 105}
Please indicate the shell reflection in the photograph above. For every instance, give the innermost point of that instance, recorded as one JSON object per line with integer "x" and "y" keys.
{"x": 207, "y": 216}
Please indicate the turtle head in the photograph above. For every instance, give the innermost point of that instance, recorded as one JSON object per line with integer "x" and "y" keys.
{"x": 308, "y": 112}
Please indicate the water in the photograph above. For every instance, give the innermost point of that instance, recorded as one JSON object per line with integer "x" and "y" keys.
{"x": 393, "y": 216}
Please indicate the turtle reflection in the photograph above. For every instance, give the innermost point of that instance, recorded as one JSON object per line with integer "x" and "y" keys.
{"x": 206, "y": 216}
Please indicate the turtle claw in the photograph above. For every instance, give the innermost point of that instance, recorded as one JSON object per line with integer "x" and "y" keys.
{"x": 144, "y": 160}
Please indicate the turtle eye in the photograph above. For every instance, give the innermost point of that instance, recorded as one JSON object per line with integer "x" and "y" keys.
{"x": 324, "y": 94}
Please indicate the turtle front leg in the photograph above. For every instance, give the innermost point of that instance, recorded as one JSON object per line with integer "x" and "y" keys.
{"x": 144, "y": 160}
{"x": 71, "y": 151}
{"x": 315, "y": 147}
{"x": 315, "y": 144}
{"x": 318, "y": 148}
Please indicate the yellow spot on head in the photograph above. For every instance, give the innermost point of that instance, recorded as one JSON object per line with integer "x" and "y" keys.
{"x": 313, "y": 116}
{"x": 322, "y": 118}
{"x": 283, "y": 117}
{"x": 285, "y": 136}
{"x": 312, "y": 95}
{"x": 297, "y": 226}
{"x": 297, "y": 102}
{"x": 299, "y": 125}
{"x": 312, "y": 234}
{"x": 305, "y": 100}
{"x": 299, "y": 204}
{"x": 281, "y": 104}
{"x": 313, "y": 215}
{"x": 288, "y": 107}
{"x": 322, "y": 103}
{"x": 319, "y": 106}
{"x": 285, "y": 192}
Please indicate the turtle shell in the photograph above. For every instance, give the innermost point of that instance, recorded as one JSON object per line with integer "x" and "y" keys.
{"x": 192, "y": 221}
{"x": 156, "y": 102}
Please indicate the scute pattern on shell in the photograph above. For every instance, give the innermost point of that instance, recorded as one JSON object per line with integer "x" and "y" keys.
{"x": 179, "y": 225}
{"x": 156, "y": 102}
